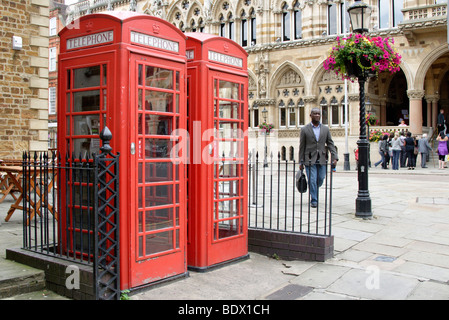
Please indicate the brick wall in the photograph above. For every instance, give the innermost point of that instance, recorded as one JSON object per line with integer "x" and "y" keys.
{"x": 291, "y": 246}
{"x": 23, "y": 77}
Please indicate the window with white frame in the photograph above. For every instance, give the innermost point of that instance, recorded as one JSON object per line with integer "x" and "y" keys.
{"x": 389, "y": 13}
{"x": 297, "y": 20}
{"x": 226, "y": 20}
{"x": 285, "y": 22}
{"x": 52, "y": 59}
{"x": 53, "y": 27}
{"x": 52, "y": 100}
{"x": 337, "y": 18}
{"x": 247, "y": 24}
{"x": 291, "y": 21}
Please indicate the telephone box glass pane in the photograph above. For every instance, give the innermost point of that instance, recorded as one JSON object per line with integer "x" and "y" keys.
{"x": 158, "y": 219}
{"x": 157, "y": 148}
{"x": 229, "y": 110}
{"x": 86, "y": 124}
{"x": 86, "y": 101}
{"x": 158, "y": 101}
{"x": 159, "y": 172}
{"x": 87, "y": 77}
{"x": 159, "y": 242}
{"x": 86, "y": 147}
{"x": 159, "y": 195}
{"x": 228, "y": 90}
{"x": 158, "y": 125}
{"x": 158, "y": 77}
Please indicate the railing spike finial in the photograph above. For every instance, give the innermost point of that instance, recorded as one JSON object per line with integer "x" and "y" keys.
{"x": 106, "y": 136}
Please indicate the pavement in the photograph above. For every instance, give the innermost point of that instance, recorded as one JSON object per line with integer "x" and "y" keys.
{"x": 401, "y": 253}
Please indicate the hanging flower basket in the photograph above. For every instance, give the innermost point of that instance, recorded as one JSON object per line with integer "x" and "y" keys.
{"x": 266, "y": 127}
{"x": 360, "y": 53}
{"x": 371, "y": 119}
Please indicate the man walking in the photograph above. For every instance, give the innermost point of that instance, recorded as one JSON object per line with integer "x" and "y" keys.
{"x": 314, "y": 142}
{"x": 424, "y": 148}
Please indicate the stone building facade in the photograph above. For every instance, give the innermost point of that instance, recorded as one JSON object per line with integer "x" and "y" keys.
{"x": 23, "y": 77}
{"x": 287, "y": 42}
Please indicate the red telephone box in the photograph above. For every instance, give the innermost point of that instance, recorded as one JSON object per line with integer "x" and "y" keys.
{"x": 217, "y": 121}
{"x": 127, "y": 71}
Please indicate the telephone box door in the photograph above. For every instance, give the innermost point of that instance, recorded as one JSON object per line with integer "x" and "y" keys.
{"x": 158, "y": 198}
{"x": 85, "y": 92}
{"x": 229, "y": 212}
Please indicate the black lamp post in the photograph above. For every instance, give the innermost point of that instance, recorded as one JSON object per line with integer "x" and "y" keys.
{"x": 359, "y": 14}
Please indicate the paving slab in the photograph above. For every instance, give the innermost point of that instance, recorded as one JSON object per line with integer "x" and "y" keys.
{"x": 428, "y": 290}
{"x": 374, "y": 283}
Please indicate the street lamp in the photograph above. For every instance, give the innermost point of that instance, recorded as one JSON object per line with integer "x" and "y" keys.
{"x": 359, "y": 14}
{"x": 265, "y": 160}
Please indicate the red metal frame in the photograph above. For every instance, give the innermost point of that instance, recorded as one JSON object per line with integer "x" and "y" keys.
{"x": 217, "y": 206}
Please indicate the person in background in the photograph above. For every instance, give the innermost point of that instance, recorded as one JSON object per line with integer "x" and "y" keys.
{"x": 403, "y": 155}
{"x": 396, "y": 149}
{"x": 383, "y": 151}
{"x": 410, "y": 150}
{"x": 424, "y": 148}
{"x": 442, "y": 149}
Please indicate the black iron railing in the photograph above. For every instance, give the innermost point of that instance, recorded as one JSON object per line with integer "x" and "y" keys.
{"x": 71, "y": 211}
{"x": 276, "y": 204}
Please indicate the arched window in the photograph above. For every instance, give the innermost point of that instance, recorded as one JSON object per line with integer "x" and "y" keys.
{"x": 291, "y": 114}
{"x": 291, "y": 153}
{"x": 324, "y": 113}
{"x": 230, "y": 26}
{"x": 282, "y": 114}
{"x": 243, "y": 29}
{"x": 255, "y": 117}
{"x": 253, "y": 30}
{"x": 343, "y": 108}
{"x": 283, "y": 153}
{"x": 335, "y": 112}
{"x": 301, "y": 112}
{"x": 222, "y": 31}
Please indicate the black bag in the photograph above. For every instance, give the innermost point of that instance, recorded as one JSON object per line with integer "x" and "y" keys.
{"x": 301, "y": 182}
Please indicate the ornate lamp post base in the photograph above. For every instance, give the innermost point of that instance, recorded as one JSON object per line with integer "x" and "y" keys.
{"x": 363, "y": 201}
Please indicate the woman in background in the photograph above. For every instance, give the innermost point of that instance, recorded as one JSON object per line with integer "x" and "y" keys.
{"x": 442, "y": 149}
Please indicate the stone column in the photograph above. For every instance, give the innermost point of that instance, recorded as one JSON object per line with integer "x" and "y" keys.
{"x": 432, "y": 109}
{"x": 415, "y": 110}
